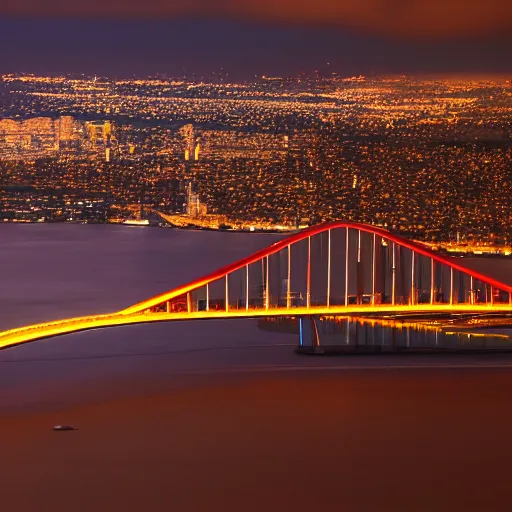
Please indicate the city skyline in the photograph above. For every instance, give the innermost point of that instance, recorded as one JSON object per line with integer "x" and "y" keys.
{"x": 430, "y": 158}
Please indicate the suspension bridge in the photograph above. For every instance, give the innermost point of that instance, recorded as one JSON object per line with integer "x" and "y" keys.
{"x": 337, "y": 268}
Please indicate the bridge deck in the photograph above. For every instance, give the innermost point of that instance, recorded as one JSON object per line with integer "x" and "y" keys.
{"x": 46, "y": 330}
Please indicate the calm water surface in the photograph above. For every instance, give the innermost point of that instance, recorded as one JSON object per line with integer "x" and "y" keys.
{"x": 426, "y": 433}
{"x": 56, "y": 271}
{"x": 59, "y": 270}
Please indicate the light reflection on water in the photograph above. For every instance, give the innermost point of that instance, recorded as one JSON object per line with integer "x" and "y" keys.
{"x": 394, "y": 334}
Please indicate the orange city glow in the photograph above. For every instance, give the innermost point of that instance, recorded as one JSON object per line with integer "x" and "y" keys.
{"x": 416, "y": 18}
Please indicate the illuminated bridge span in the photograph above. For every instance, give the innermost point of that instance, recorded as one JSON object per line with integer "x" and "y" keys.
{"x": 336, "y": 268}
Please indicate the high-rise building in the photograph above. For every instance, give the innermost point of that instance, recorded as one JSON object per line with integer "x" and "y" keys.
{"x": 30, "y": 138}
{"x": 187, "y": 132}
{"x": 100, "y": 132}
{"x": 67, "y": 128}
{"x": 195, "y": 208}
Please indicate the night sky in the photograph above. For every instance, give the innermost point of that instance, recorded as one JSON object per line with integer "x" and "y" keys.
{"x": 130, "y": 37}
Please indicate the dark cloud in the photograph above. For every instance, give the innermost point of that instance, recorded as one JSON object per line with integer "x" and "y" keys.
{"x": 409, "y": 18}
{"x": 200, "y": 47}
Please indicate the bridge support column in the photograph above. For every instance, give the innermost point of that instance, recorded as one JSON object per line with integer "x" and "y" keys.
{"x": 393, "y": 274}
{"x": 247, "y": 288}
{"x": 432, "y": 282}
{"x": 227, "y": 293}
{"x": 267, "y": 284}
{"x": 308, "y": 277}
{"x": 413, "y": 281}
{"x": 359, "y": 271}
{"x": 288, "y": 280}
{"x": 328, "y": 269}
{"x": 346, "y": 267}
{"x": 451, "y": 286}
{"x": 374, "y": 268}
{"x": 309, "y": 340}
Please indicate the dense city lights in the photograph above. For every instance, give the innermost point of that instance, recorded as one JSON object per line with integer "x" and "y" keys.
{"x": 429, "y": 159}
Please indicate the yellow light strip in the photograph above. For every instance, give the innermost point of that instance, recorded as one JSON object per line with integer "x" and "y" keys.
{"x": 50, "y": 329}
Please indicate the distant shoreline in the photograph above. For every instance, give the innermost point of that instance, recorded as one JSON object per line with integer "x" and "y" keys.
{"x": 452, "y": 253}
{"x": 179, "y": 228}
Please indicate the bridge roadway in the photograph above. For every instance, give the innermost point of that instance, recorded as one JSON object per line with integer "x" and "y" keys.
{"x": 35, "y": 332}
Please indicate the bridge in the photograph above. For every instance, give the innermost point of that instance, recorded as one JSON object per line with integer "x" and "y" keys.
{"x": 337, "y": 268}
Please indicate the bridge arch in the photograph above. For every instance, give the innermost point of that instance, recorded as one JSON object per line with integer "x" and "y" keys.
{"x": 408, "y": 263}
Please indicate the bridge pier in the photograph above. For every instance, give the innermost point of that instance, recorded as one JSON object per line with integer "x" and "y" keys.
{"x": 309, "y": 339}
